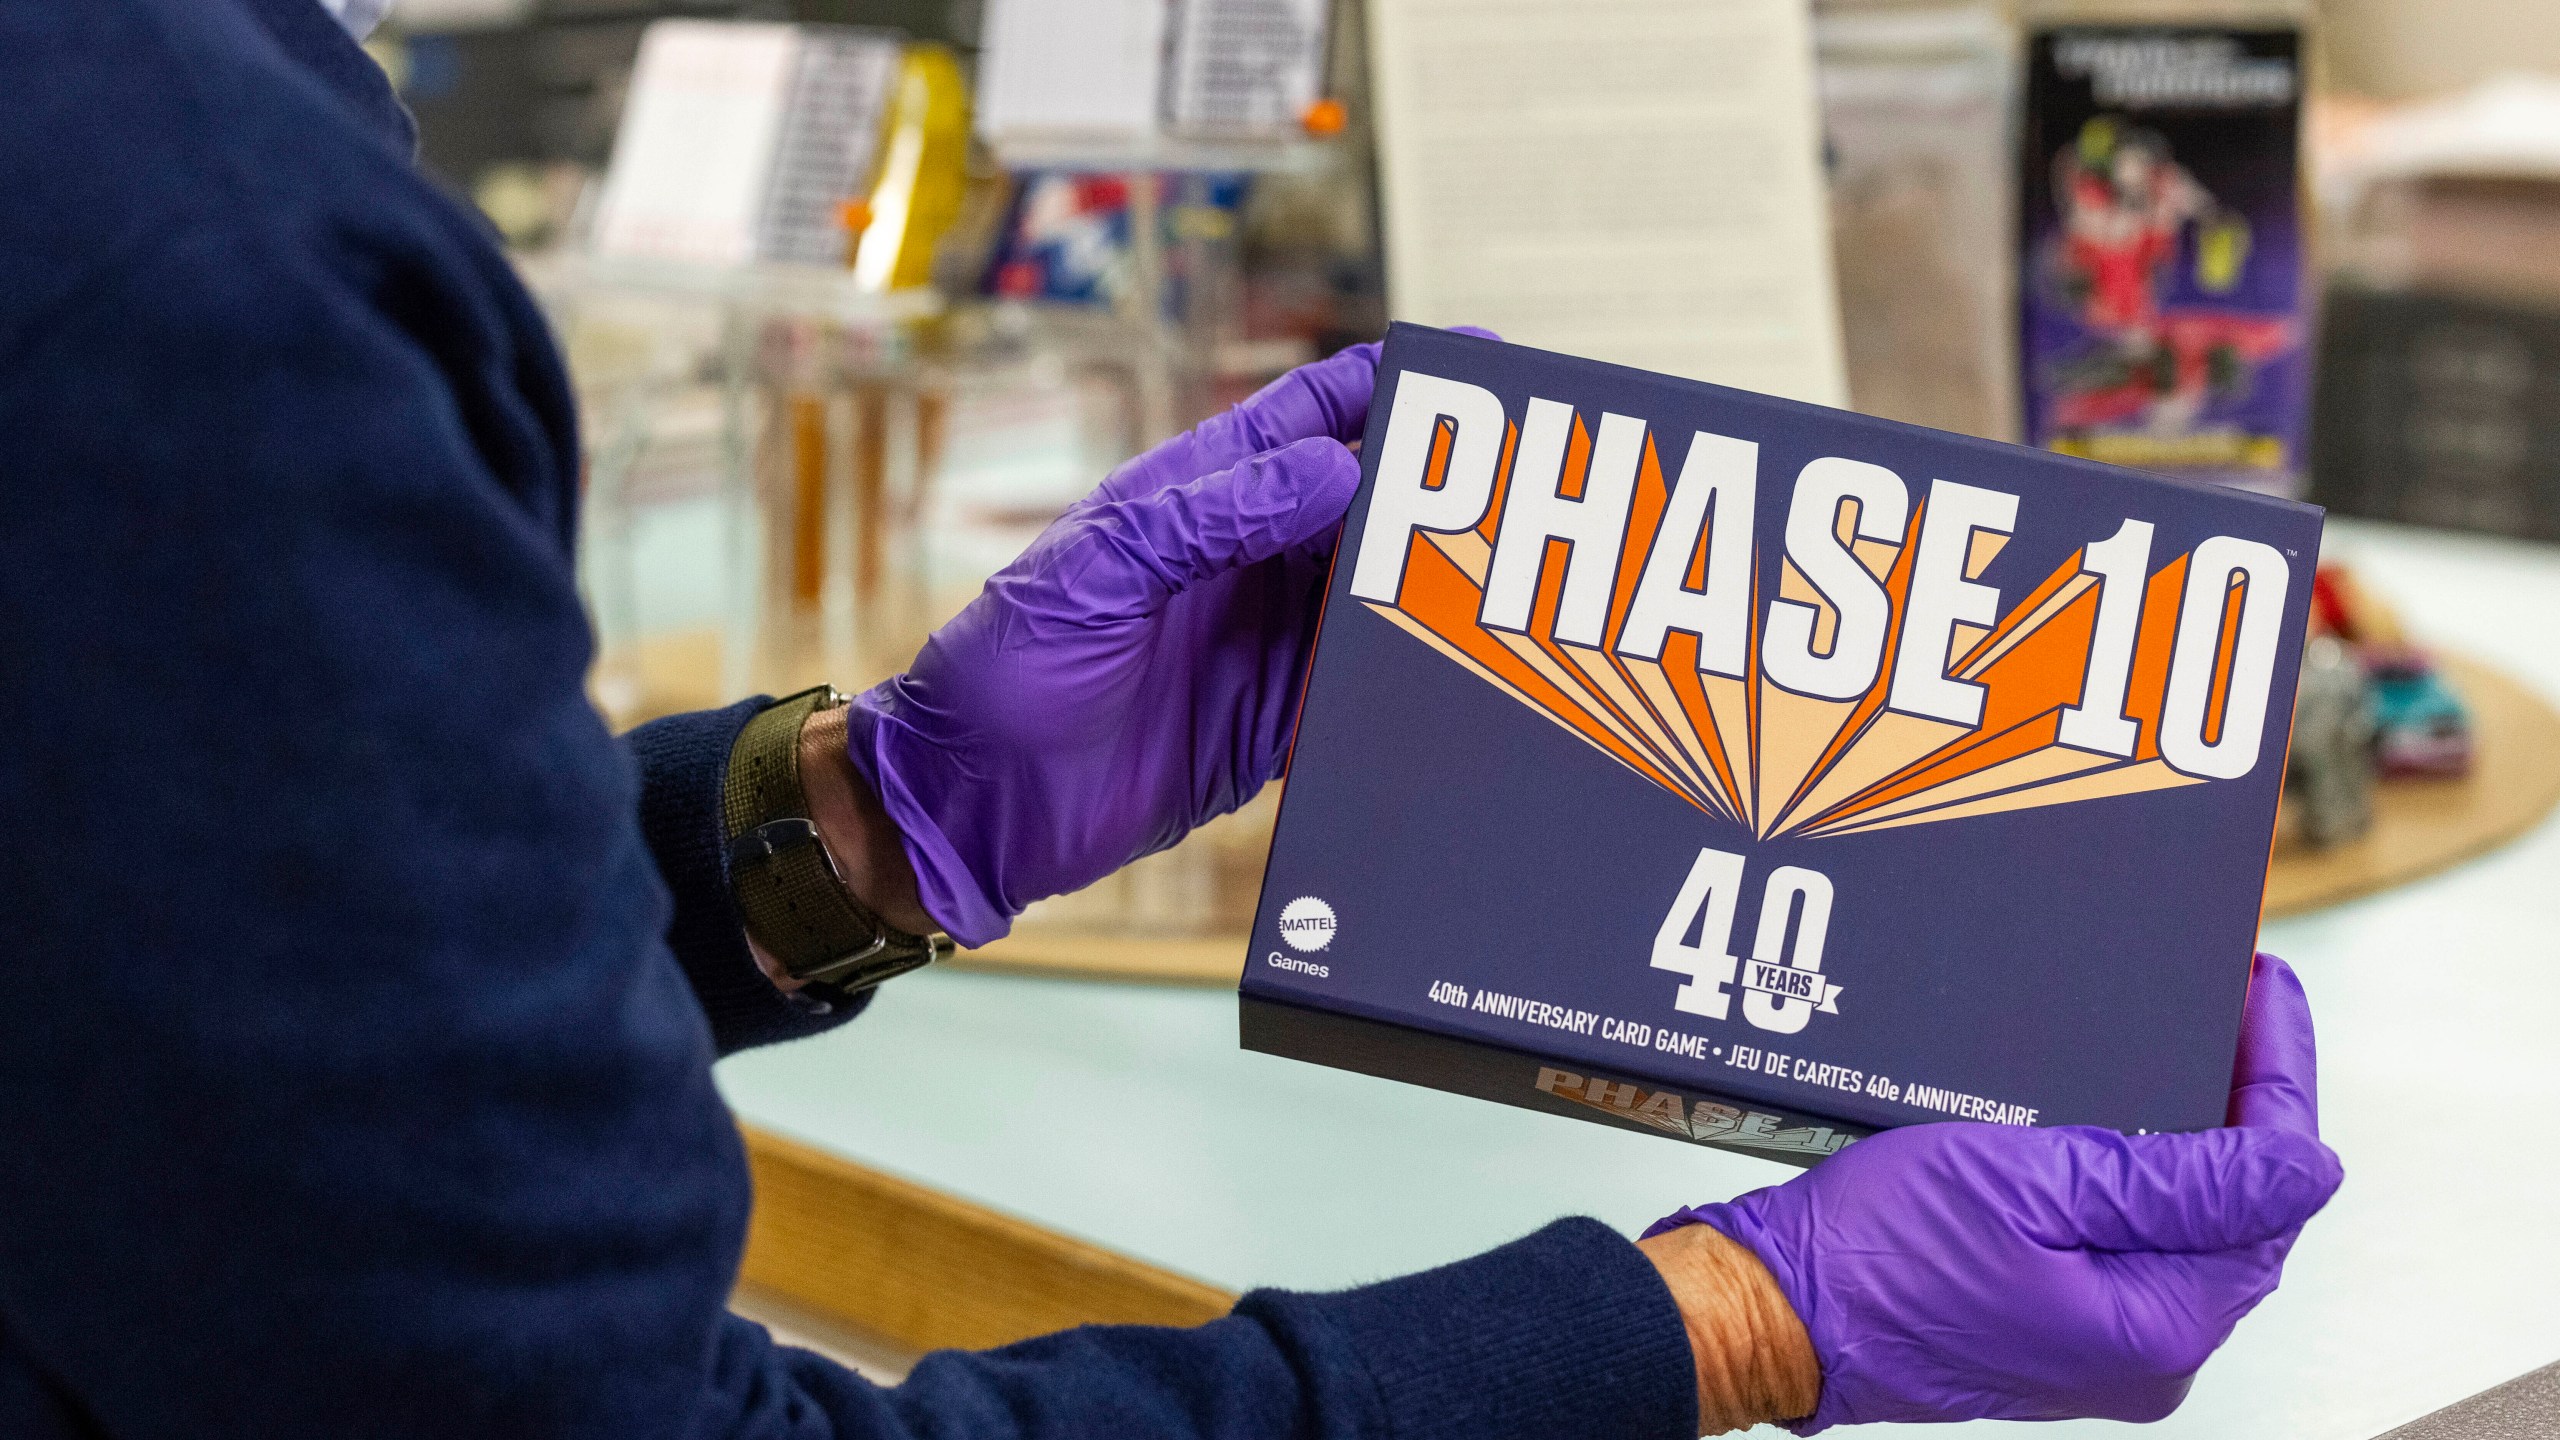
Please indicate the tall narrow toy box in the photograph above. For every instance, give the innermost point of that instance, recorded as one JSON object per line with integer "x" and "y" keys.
{"x": 1763, "y": 775}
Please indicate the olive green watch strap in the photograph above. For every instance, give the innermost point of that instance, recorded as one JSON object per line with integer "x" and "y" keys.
{"x": 795, "y": 903}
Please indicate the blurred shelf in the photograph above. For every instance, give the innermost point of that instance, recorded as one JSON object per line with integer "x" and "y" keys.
{"x": 819, "y": 291}
{"x": 1103, "y": 153}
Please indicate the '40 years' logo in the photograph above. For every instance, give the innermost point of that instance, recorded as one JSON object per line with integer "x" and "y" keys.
{"x": 1782, "y": 985}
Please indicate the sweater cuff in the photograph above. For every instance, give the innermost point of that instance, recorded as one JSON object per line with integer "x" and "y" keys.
{"x": 1570, "y": 1331}
{"x": 684, "y": 761}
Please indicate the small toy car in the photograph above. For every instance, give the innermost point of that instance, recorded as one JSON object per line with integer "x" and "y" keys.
{"x": 2420, "y": 725}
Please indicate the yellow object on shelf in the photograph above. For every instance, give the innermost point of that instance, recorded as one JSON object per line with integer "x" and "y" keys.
{"x": 924, "y": 153}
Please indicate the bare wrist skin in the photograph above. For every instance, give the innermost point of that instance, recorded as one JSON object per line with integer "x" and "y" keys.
{"x": 857, "y": 832}
{"x": 1754, "y": 1361}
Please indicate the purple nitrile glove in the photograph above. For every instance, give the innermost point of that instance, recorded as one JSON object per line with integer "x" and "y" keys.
{"x": 1967, "y": 1271}
{"x": 1135, "y": 673}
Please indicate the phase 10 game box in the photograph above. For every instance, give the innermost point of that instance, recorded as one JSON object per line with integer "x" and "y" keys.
{"x": 1762, "y": 775}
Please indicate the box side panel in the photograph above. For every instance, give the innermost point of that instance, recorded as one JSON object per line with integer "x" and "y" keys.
{"x": 1532, "y": 1082}
{"x": 1615, "y": 857}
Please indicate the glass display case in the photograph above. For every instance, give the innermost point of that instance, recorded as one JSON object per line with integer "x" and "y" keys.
{"x": 791, "y": 480}
{"x": 755, "y": 438}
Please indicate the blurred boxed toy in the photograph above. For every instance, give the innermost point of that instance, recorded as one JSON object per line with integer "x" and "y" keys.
{"x": 2440, "y": 409}
{"x": 1764, "y": 775}
{"x": 2440, "y": 338}
{"x": 2162, "y": 277}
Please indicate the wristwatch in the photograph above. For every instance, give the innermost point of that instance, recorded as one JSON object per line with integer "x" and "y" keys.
{"x": 793, "y": 898}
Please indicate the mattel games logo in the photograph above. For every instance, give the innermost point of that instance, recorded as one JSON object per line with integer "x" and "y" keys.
{"x": 1306, "y": 925}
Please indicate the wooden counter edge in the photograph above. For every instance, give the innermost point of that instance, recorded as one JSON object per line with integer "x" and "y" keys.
{"x": 928, "y": 1270}
{"x": 1215, "y": 960}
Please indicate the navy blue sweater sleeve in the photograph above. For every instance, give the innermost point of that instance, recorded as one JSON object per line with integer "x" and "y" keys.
{"x": 683, "y": 760}
{"x": 355, "y": 1065}
{"x": 1567, "y": 1334}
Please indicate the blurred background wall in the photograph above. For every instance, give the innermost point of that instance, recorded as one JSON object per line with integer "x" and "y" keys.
{"x": 541, "y": 79}
{"x": 2402, "y": 49}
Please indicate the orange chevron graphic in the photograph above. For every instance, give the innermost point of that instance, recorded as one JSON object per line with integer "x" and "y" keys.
{"x": 1779, "y": 763}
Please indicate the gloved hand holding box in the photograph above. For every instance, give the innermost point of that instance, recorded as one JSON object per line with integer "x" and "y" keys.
{"x": 1766, "y": 776}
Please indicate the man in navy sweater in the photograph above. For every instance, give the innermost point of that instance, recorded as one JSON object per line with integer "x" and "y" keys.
{"x": 363, "y": 990}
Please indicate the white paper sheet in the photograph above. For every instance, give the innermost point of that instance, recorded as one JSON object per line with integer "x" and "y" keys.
{"x": 742, "y": 140}
{"x": 1246, "y": 67}
{"x": 1087, "y": 67}
{"x": 696, "y": 145}
{"x": 829, "y": 139}
{"x": 1631, "y": 180}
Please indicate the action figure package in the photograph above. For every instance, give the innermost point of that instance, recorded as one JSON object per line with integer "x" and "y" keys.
{"x": 2161, "y": 281}
{"x": 1762, "y": 775}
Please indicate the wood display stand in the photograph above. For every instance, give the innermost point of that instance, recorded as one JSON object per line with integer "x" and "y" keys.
{"x": 2420, "y": 827}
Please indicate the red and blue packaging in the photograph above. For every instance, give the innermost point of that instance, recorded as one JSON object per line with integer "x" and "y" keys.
{"x": 2164, "y": 318}
{"x": 1762, "y": 775}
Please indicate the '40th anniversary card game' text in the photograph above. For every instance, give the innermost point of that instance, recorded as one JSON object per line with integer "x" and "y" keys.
{"x": 1765, "y": 775}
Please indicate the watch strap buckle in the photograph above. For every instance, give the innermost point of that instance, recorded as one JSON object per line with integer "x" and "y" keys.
{"x": 770, "y": 839}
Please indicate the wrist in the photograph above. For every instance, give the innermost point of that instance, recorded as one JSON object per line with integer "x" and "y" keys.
{"x": 869, "y": 852}
{"x": 1753, "y": 1360}
{"x": 809, "y": 775}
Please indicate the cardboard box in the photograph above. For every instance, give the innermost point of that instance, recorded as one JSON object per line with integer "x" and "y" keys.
{"x": 1763, "y": 775}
